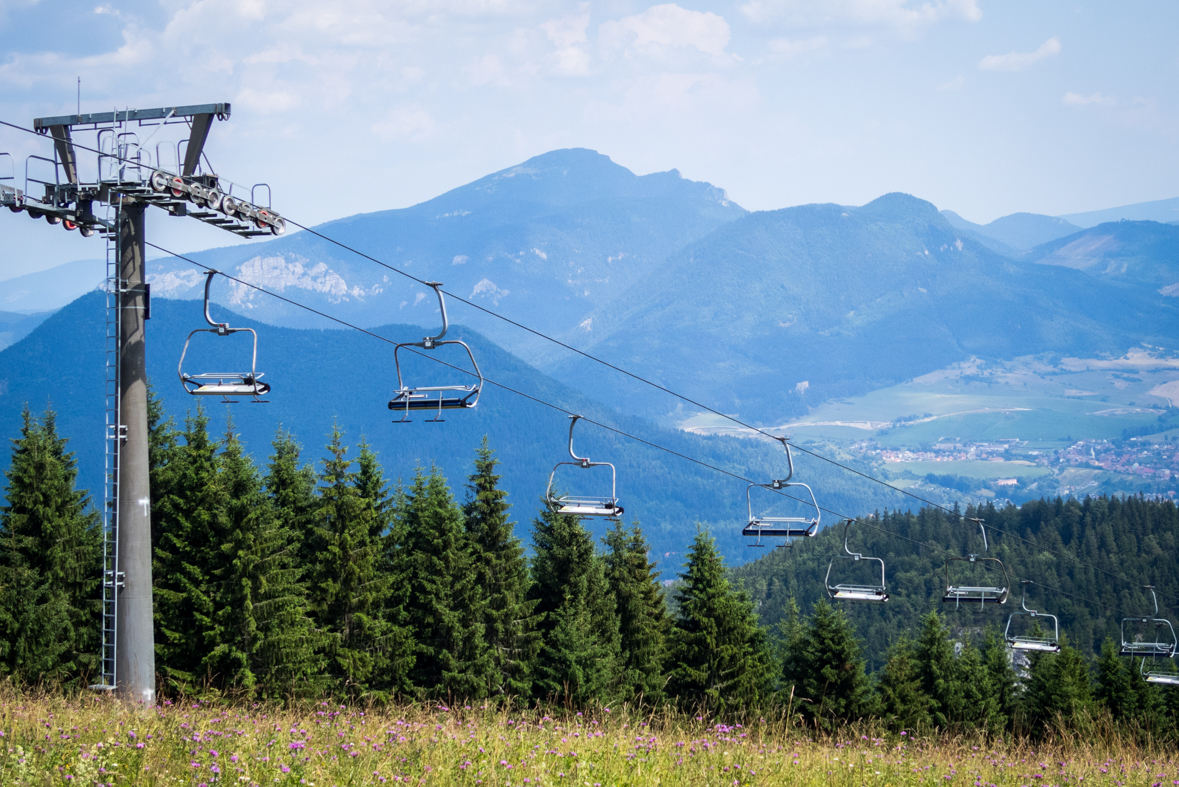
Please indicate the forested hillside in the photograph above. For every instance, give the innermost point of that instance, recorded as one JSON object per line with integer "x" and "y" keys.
{"x": 1088, "y": 561}
{"x": 326, "y": 377}
{"x": 284, "y": 579}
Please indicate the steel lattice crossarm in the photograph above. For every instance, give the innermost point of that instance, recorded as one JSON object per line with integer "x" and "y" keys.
{"x": 169, "y": 176}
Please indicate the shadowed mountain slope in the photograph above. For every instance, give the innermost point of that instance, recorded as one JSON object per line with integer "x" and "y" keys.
{"x": 781, "y": 310}
{"x": 321, "y": 376}
{"x": 547, "y": 241}
{"x": 1143, "y": 253}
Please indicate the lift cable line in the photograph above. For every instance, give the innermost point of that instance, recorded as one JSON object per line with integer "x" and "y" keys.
{"x": 657, "y": 386}
{"x": 689, "y": 400}
{"x": 622, "y": 433}
{"x": 605, "y": 363}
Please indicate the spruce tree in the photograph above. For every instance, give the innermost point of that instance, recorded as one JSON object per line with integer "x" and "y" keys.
{"x": 1059, "y": 688}
{"x": 643, "y": 619}
{"x": 510, "y": 619}
{"x": 1115, "y": 685}
{"x": 977, "y": 701}
{"x": 348, "y": 588}
{"x": 570, "y": 589}
{"x": 50, "y": 565}
{"x": 291, "y": 488}
{"x": 720, "y": 656}
{"x": 370, "y": 485}
{"x": 903, "y": 703}
{"x": 190, "y": 517}
{"x": 830, "y": 684}
{"x": 264, "y": 637}
{"x": 937, "y": 670}
{"x": 445, "y": 607}
{"x": 387, "y": 511}
{"x": 1004, "y": 683}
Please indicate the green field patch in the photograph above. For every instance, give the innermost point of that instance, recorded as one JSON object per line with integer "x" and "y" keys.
{"x": 974, "y": 468}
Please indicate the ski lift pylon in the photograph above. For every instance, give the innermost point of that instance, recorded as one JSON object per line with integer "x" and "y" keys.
{"x": 434, "y": 398}
{"x": 1042, "y": 644}
{"x": 851, "y": 591}
{"x": 223, "y": 384}
{"x": 983, "y": 594}
{"x": 583, "y": 506}
{"x": 1163, "y": 646}
{"x": 789, "y": 527}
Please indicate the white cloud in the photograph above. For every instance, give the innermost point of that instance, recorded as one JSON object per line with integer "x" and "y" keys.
{"x": 954, "y": 84}
{"x": 405, "y": 123}
{"x": 1018, "y": 61}
{"x": 569, "y": 36}
{"x": 485, "y": 70}
{"x": 266, "y": 102}
{"x": 1076, "y": 99}
{"x": 668, "y": 25}
{"x": 900, "y": 14}
{"x": 787, "y": 48}
{"x": 487, "y": 288}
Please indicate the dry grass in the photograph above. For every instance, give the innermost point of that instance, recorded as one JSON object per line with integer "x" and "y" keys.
{"x": 51, "y": 739}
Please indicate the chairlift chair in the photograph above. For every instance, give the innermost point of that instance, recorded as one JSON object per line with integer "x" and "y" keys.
{"x": 1163, "y": 645}
{"x": 850, "y": 591}
{"x": 1028, "y": 641}
{"x": 607, "y": 507}
{"x": 983, "y": 594}
{"x": 223, "y": 384}
{"x": 789, "y": 527}
{"x": 434, "y": 398}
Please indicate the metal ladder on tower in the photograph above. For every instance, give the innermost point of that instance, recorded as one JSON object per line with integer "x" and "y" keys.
{"x": 112, "y": 578}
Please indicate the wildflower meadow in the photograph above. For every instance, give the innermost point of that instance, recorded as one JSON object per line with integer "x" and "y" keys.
{"x": 96, "y": 740}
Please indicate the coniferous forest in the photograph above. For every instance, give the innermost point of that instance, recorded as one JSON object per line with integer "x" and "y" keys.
{"x": 282, "y": 581}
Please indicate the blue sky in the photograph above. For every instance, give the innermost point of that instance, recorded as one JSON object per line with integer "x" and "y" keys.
{"x": 982, "y": 107}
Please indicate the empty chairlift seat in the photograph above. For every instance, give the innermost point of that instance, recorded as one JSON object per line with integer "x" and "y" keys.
{"x": 1152, "y": 637}
{"x": 581, "y": 505}
{"x": 768, "y": 522}
{"x": 850, "y": 590}
{"x": 227, "y": 385}
{"x": 1021, "y": 631}
{"x": 435, "y": 398}
{"x": 958, "y": 588}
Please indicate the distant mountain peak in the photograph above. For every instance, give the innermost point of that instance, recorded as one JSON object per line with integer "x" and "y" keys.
{"x": 898, "y": 205}
{"x": 562, "y": 163}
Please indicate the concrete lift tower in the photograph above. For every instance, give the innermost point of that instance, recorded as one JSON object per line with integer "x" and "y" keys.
{"x": 108, "y": 190}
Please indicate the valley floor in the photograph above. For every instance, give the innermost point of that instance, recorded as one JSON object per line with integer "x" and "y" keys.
{"x": 1009, "y": 430}
{"x": 95, "y": 740}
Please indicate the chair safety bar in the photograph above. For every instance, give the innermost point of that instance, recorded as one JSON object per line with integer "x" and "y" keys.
{"x": 1161, "y": 646}
{"x": 434, "y": 398}
{"x": 982, "y": 594}
{"x": 1042, "y": 644}
{"x": 223, "y": 384}
{"x": 849, "y": 591}
{"x": 579, "y": 505}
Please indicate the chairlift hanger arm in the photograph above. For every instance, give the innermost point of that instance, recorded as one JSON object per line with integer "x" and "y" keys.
{"x": 778, "y": 483}
{"x": 222, "y": 327}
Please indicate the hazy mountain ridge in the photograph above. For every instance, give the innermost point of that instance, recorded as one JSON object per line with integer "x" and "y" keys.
{"x": 782, "y": 309}
{"x": 551, "y": 238}
{"x": 1142, "y": 253}
{"x": 1164, "y": 211}
{"x": 1011, "y": 234}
